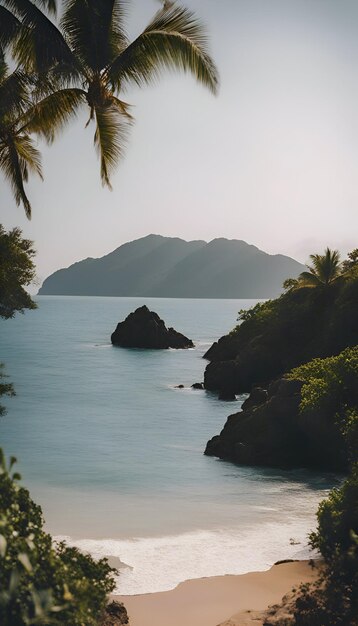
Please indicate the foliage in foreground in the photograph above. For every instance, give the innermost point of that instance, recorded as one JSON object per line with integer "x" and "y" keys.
{"x": 84, "y": 61}
{"x": 43, "y": 583}
{"x": 17, "y": 270}
{"x": 333, "y": 599}
{"x": 331, "y": 384}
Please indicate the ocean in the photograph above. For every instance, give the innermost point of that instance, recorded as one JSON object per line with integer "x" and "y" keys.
{"x": 113, "y": 452}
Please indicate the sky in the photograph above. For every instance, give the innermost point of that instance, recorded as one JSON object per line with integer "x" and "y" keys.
{"x": 272, "y": 160}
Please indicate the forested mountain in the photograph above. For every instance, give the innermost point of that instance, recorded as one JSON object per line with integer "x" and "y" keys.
{"x": 156, "y": 266}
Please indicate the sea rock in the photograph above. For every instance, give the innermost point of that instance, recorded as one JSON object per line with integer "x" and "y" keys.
{"x": 257, "y": 396}
{"x": 115, "y": 614}
{"x": 179, "y": 386}
{"x": 226, "y": 394}
{"x": 198, "y": 386}
{"x": 270, "y": 430}
{"x": 145, "y": 329}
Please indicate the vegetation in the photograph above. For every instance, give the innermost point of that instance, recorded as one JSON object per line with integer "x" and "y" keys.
{"x": 43, "y": 583}
{"x": 18, "y": 154}
{"x": 325, "y": 269}
{"x": 277, "y": 335}
{"x": 17, "y": 271}
{"x": 333, "y": 599}
{"x": 84, "y": 61}
{"x": 331, "y": 385}
{"x": 273, "y": 338}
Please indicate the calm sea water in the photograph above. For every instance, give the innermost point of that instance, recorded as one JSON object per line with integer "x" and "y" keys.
{"x": 114, "y": 453}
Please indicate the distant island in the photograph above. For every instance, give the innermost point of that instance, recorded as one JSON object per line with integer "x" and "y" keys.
{"x": 168, "y": 267}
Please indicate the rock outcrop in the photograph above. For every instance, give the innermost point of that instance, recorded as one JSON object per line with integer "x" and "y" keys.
{"x": 115, "y": 614}
{"x": 198, "y": 386}
{"x": 270, "y": 430}
{"x": 145, "y": 329}
{"x": 281, "y": 334}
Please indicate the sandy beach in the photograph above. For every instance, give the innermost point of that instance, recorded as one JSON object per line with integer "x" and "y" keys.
{"x": 224, "y": 600}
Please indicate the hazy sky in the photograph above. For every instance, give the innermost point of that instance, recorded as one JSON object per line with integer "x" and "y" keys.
{"x": 272, "y": 160}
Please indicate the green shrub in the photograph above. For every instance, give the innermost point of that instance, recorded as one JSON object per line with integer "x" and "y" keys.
{"x": 331, "y": 385}
{"x": 333, "y": 600}
{"x": 41, "y": 582}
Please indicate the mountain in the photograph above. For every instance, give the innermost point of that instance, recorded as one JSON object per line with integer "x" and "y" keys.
{"x": 156, "y": 266}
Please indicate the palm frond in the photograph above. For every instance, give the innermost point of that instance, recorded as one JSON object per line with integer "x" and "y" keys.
{"x": 308, "y": 279}
{"x": 110, "y": 138}
{"x": 29, "y": 156}
{"x": 324, "y": 270}
{"x": 326, "y": 266}
{"x": 123, "y": 107}
{"x": 48, "y": 117}
{"x": 175, "y": 39}
{"x": 49, "y": 5}
{"x": 14, "y": 94}
{"x": 95, "y": 30}
{"x": 9, "y": 27}
{"x": 16, "y": 157}
{"x": 40, "y": 44}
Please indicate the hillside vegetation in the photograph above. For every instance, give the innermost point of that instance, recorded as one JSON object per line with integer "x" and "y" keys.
{"x": 275, "y": 336}
{"x": 306, "y": 417}
{"x": 166, "y": 267}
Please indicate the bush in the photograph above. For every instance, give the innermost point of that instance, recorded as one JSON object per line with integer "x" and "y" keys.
{"x": 333, "y": 600}
{"x": 331, "y": 385}
{"x": 40, "y": 582}
{"x": 17, "y": 270}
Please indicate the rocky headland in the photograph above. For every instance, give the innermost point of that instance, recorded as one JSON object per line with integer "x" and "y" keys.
{"x": 145, "y": 329}
{"x": 281, "y": 334}
{"x": 271, "y": 430}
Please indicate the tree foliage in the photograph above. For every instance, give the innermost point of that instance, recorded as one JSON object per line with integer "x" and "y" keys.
{"x": 323, "y": 271}
{"x": 42, "y": 582}
{"x": 85, "y": 60}
{"x": 17, "y": 271}
{"x": 331, "y": 384}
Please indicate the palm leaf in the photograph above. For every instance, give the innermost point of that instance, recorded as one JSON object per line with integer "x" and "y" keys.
{"x": 95, "y": 30}
{"x": 308, "y": 279}
{"x": 48, "y": 117}
{"x": 16, "y": 157}
{"x": 40, "y": 44}
{"x": 9, "y": 27}
{"x": 29, "y": 156}
{"x": 49, "y": 5}
{"x": 173, "y": 40}
{"x": 14, "y": 95}
{"x": 110, "y": 138}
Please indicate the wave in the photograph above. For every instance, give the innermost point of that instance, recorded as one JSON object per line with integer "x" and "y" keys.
{"x": 161, "y": 563}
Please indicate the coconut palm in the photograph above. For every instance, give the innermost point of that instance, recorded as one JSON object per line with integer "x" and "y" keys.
{"x": 92, "y": 62}
{"x": 18, "y": 155}
{"x": 325, "y": 269}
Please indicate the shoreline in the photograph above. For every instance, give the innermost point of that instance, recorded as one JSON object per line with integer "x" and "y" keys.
{"x": 231, "y": 600}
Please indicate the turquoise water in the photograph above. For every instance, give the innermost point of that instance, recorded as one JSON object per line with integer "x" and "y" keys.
{"x": 114, "y": 453}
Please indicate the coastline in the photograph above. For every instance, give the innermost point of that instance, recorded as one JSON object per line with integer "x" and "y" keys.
{"x": 231, "y": 600}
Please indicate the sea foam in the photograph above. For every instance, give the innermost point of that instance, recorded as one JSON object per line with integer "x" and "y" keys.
{"x": 161, "y": 563}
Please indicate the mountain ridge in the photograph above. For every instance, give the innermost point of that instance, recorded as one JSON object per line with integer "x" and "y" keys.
{"x": 158, "y": 266}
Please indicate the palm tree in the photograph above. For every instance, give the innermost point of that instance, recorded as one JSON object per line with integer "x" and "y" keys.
{"x": 18, "y": 155}
{"x": 325, "y": 270}
{"x": 91, "y": 62}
